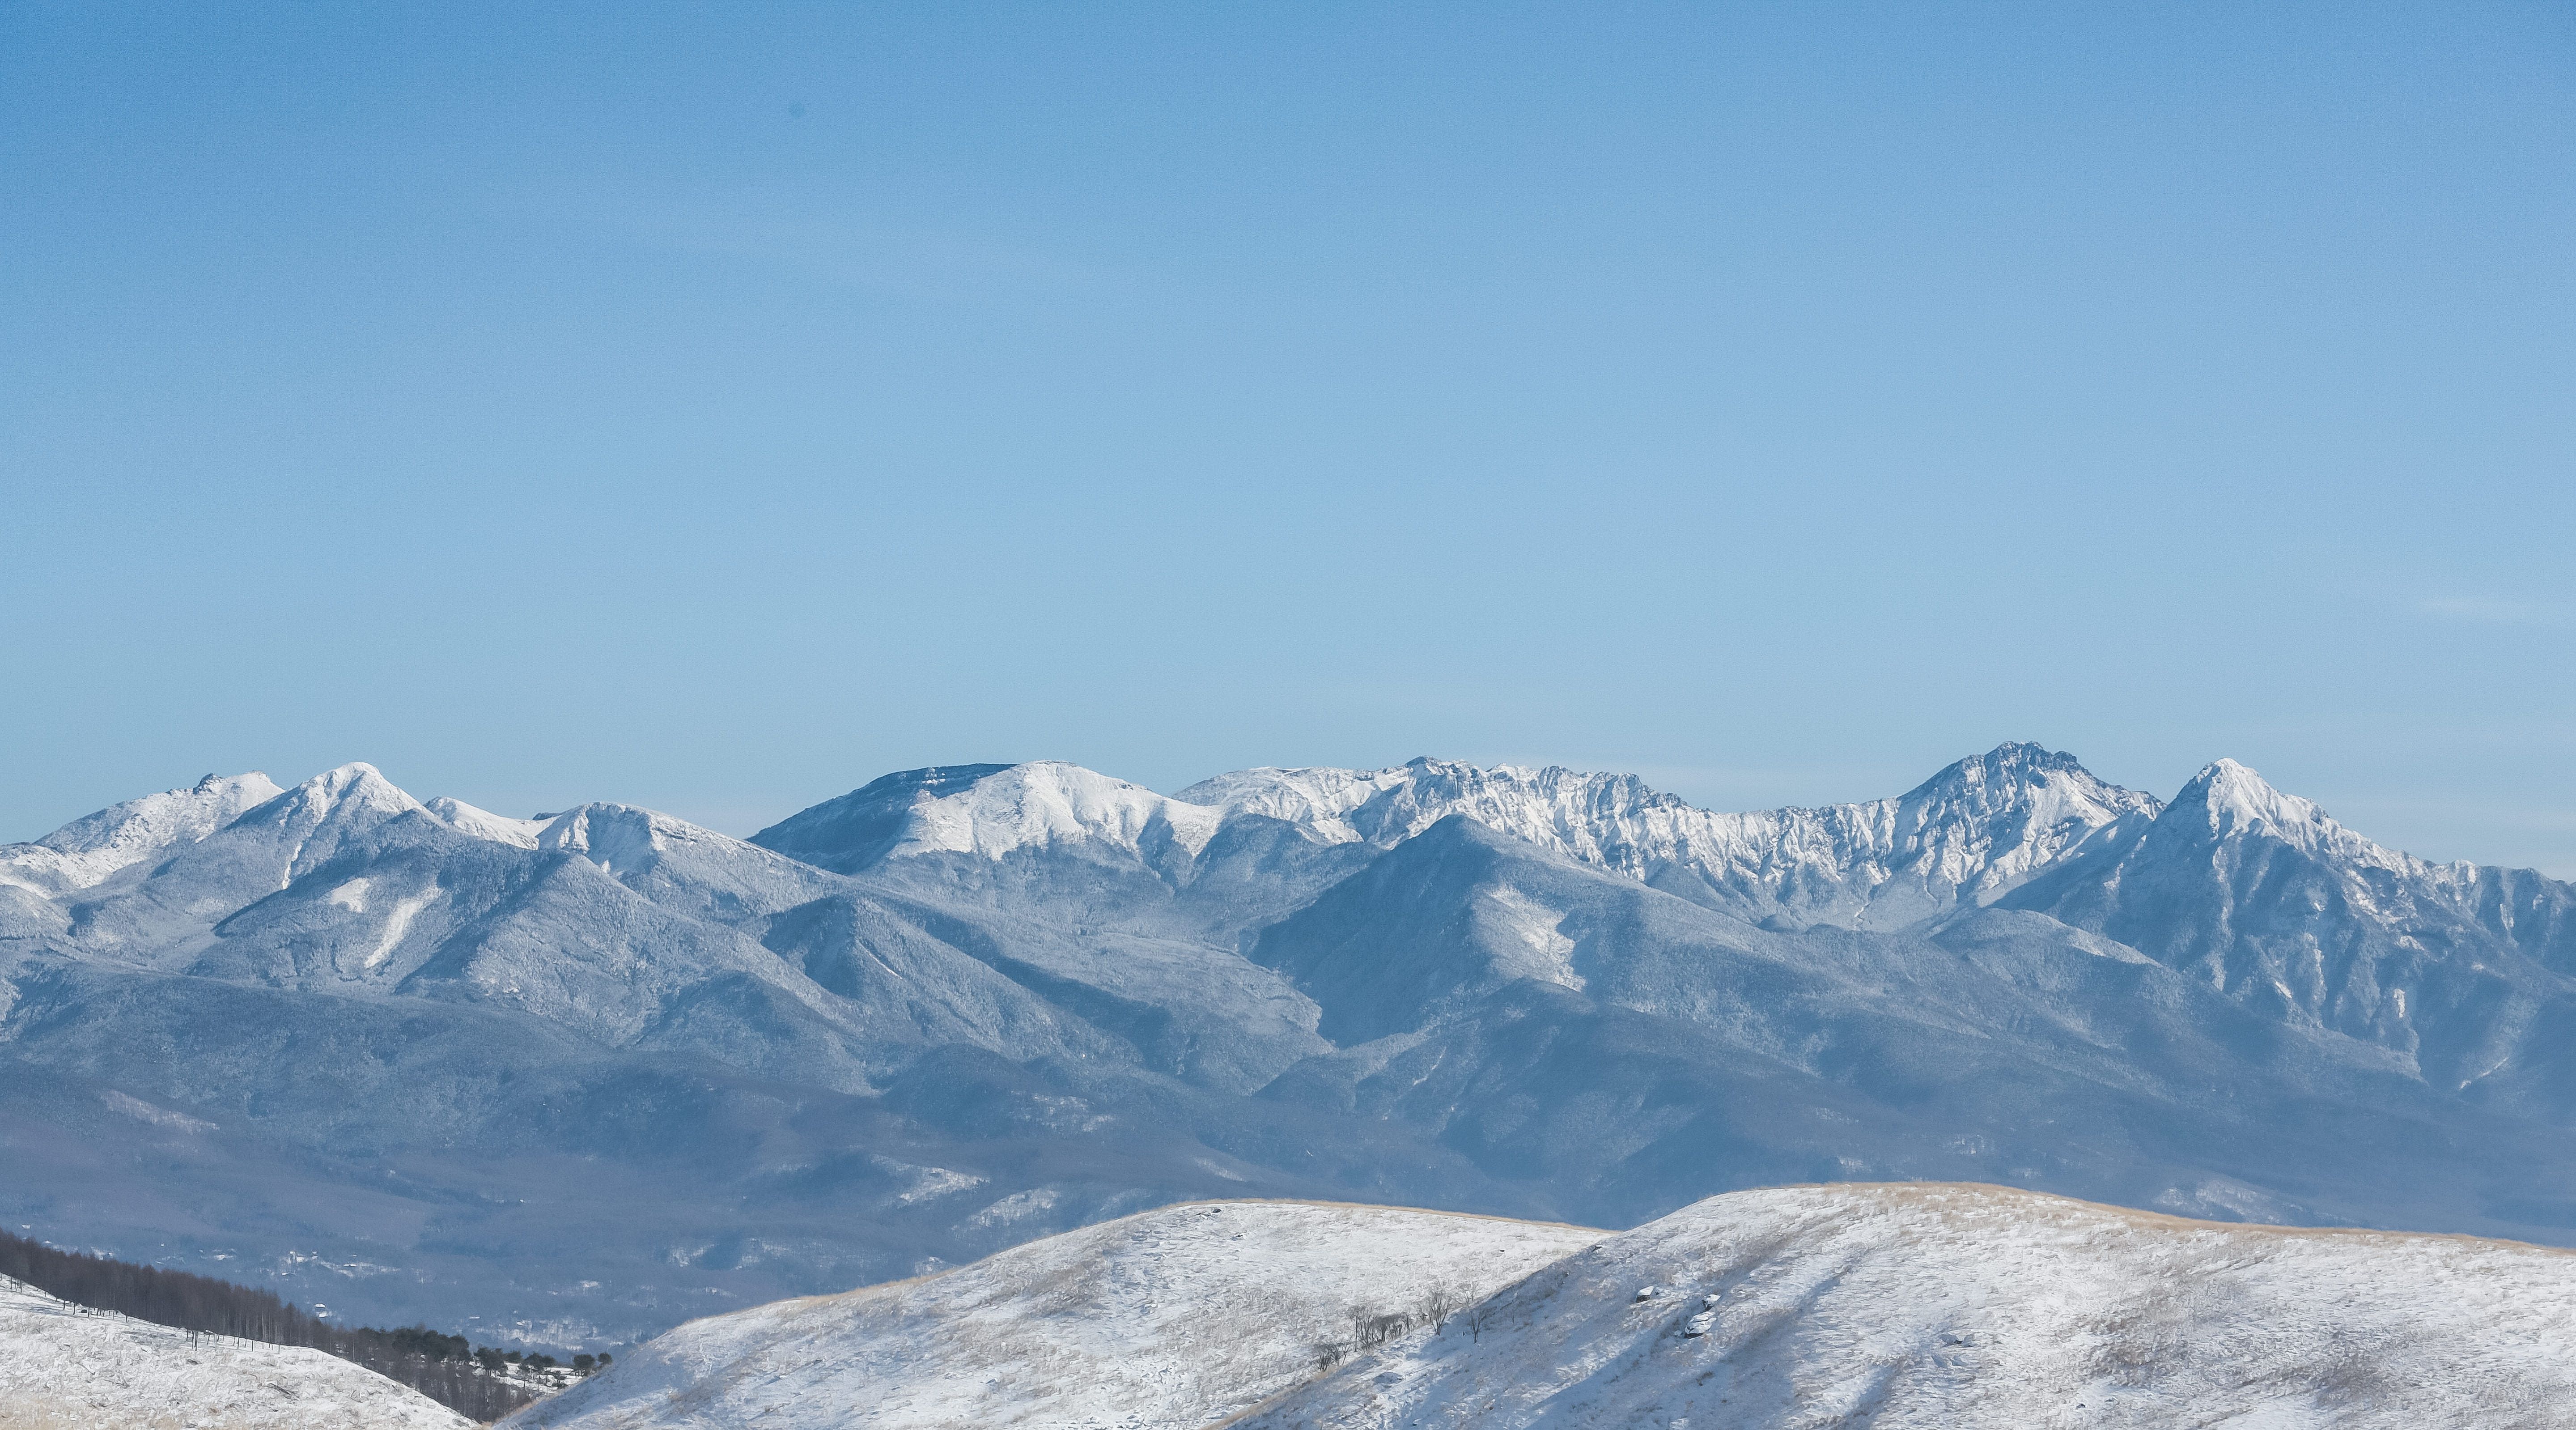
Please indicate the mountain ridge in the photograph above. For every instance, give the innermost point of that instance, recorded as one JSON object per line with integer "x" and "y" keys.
{"x": 634, "y": 1068}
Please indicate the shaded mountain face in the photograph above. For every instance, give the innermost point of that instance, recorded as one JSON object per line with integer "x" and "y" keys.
{"x": 586, "y": 1075}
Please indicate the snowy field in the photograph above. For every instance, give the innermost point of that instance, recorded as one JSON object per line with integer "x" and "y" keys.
{"x": 66, "y": 1368}
{"x": 1894, "y": 1305}
{"x": 1901, "y": 1306}
{"x": 1168, "y": 1320}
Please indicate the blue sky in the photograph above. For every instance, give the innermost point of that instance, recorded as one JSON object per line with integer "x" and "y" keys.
{"x": 714, "y": 407}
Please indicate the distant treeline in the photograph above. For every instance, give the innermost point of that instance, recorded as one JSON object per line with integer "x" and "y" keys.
{"x": 440, "y": 1366}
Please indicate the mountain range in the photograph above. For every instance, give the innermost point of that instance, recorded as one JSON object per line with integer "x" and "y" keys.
{"x": 568, "y": 1080}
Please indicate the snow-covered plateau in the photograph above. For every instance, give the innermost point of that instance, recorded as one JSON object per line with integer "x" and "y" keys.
{"x": 63, "y": 1367}
{"x": 1935, "y": 1305}
{"x": 566, "y": 1081}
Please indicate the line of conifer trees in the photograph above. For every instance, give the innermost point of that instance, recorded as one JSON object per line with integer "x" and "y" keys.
{"x": 469, "y": 1381}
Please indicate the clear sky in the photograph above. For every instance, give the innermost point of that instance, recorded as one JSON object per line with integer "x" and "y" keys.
{"x": 715, "y": 406}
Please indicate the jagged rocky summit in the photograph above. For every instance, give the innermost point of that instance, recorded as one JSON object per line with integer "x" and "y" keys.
{"x": 581, "y": 1077}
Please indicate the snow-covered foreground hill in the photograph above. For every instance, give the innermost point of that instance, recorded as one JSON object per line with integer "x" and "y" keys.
{"x": 1947, "y": 1305}
{"x": 1166, "y": 1320}
{"x": 1941, "y": 1306}
{"x": 66, "y": 1368}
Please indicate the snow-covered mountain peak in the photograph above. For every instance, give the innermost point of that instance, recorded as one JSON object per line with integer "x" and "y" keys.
{"x": 2235, "y": 795}
{"x": 857, "y": 829}
{"x": 302, "y": 827}
{"x": 93, "y": 847}
{"x": 1989, "y": 822}
{"x": 2018, "y": 772}
{"x": 620, "y": 838}
{"x": 353, "y": 790}
{"x": 1317, "y": 798}
{"x": 1569, "y": 811}
{"x": 1050, "y": 802}
{"x": 2284, "y": 909}
{"x": 2230, "y": 801}
{"x": 464, "y": 818}
{"x": 160, "y": 820}
{"x": 627, "y": 839}
{"x": 990, "y": 811}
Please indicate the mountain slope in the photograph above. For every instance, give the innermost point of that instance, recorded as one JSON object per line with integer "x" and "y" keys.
{"x": 1572, "y": 1030}
{"x": 1930, "y": 1305}
{"x": 63, "y": 1367}
{"x": 1964, "y": 1306}
{"x": 1174, "y": 1318}
{"x": 2460, "y": 970}
{"x": 93, "y": 847}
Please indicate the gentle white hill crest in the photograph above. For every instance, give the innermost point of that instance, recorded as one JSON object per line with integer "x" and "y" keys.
{"x": 1924, "y": 1305}
{"x": 65, "y": 1367}
{"x": 1934, "y": 1306}
{"x": 1166, "y": 1320}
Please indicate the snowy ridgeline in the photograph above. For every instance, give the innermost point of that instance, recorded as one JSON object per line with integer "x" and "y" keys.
{"x": 1922, "y": 1305}
{"x": 64, "y": 1367}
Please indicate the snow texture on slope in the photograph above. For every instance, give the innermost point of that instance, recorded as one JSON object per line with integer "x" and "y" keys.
{"x": 1949, "y": 1306}
{"x": 1169, "y": 1320}
{"x": 65, "y": 1367}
